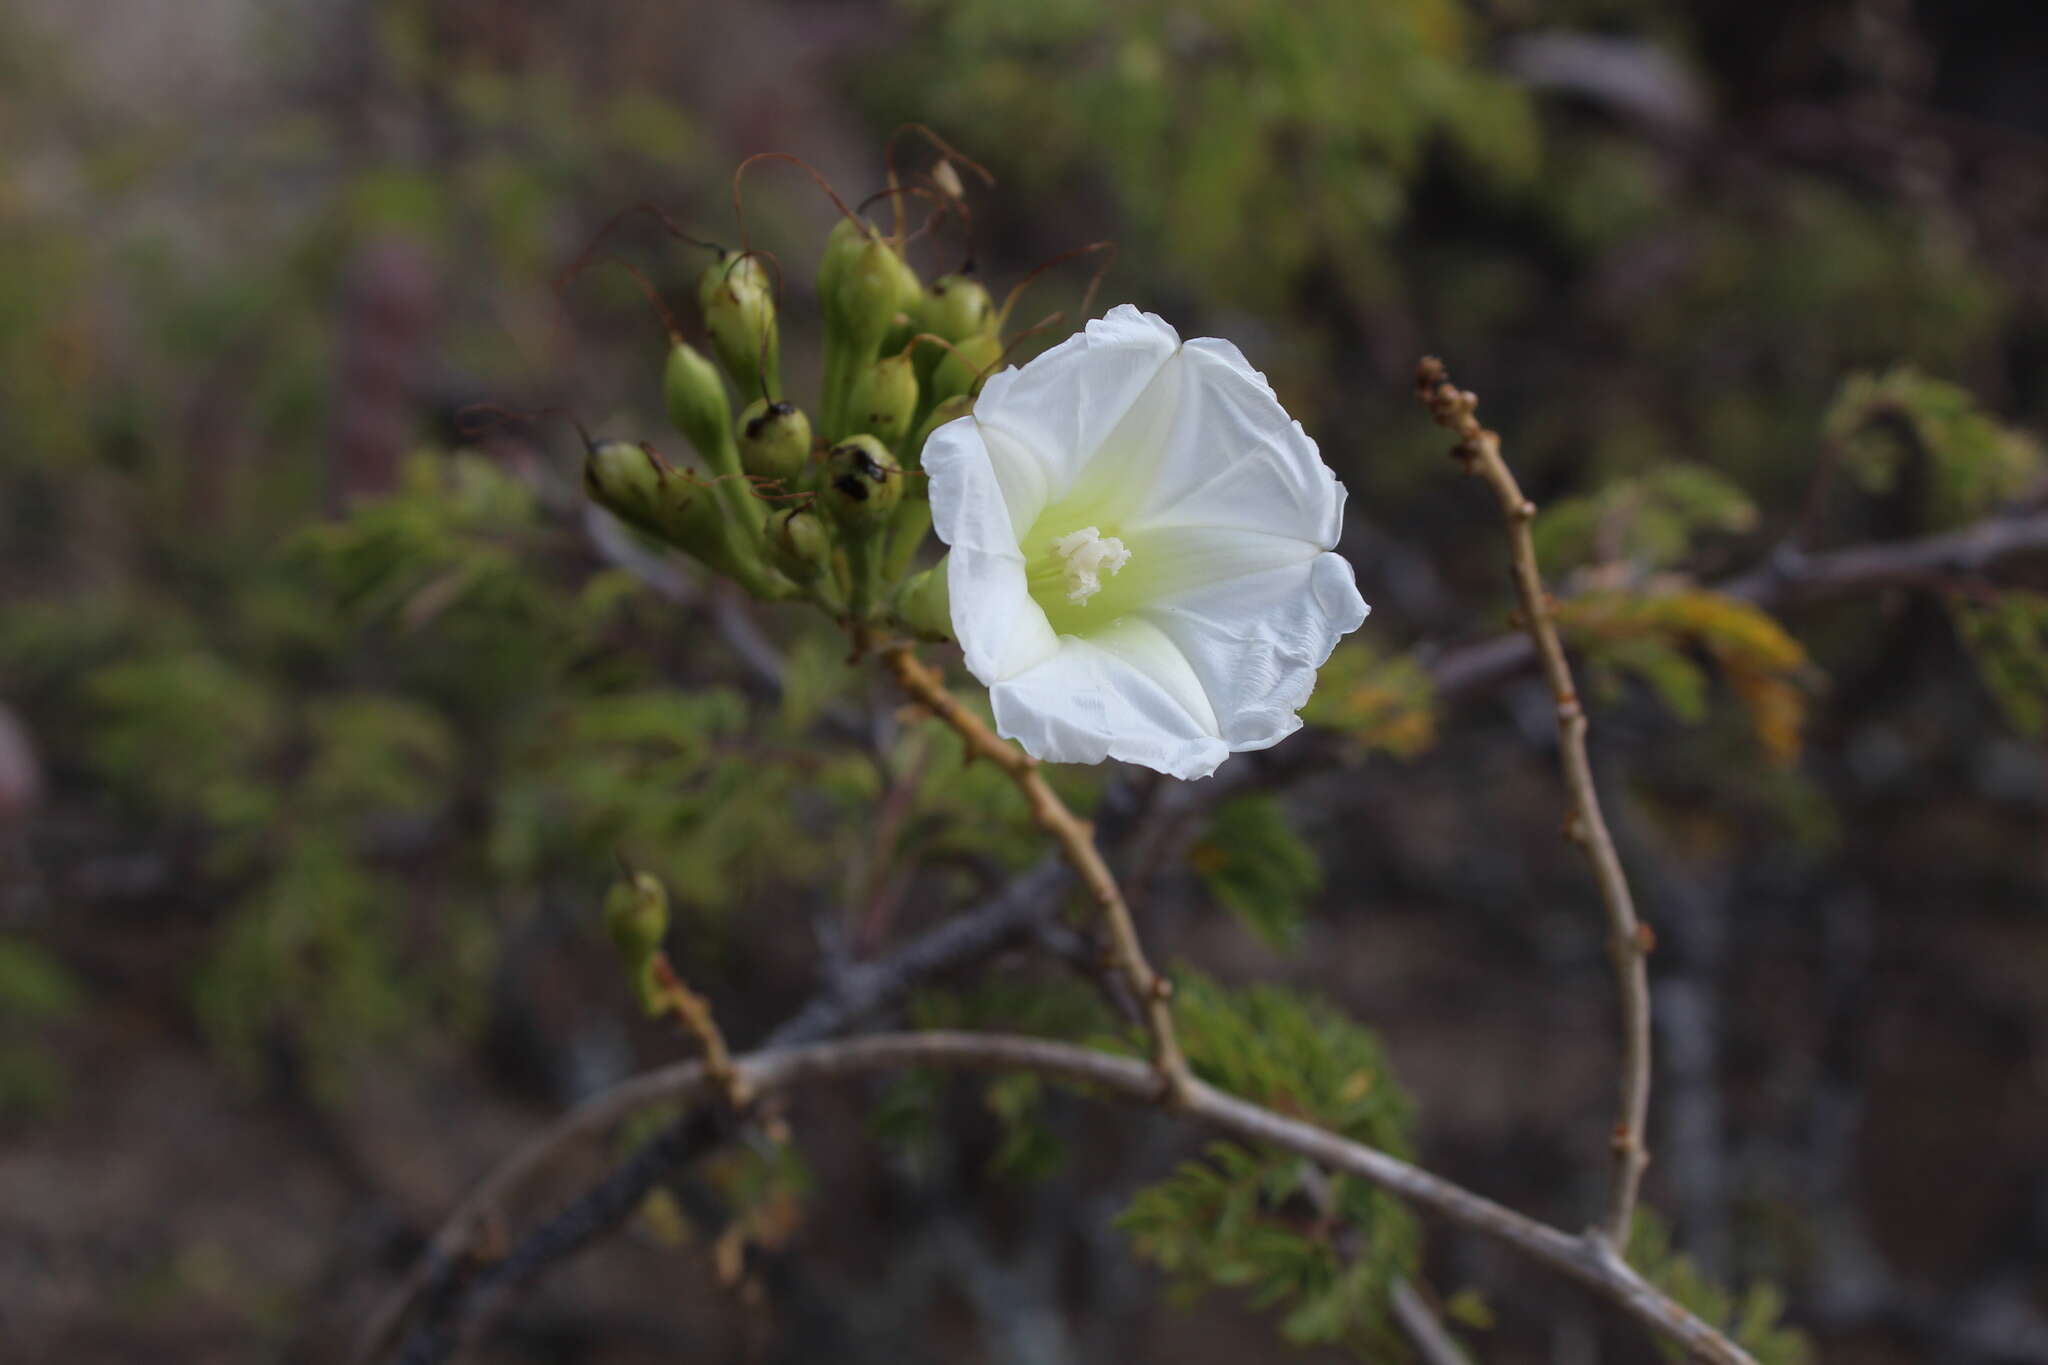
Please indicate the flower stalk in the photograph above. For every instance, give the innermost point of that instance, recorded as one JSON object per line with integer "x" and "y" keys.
{"x": 1076, "y": 840}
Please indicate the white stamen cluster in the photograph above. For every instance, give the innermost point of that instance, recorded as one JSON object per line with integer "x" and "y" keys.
{"x": 1088, "y": 555}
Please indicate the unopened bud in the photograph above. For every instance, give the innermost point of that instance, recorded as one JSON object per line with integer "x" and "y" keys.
{"x": 962, "y": 370}
{"x": 697, "y": 405}
{"x": 842, "y": 244}
{"x": 955, "y": 306}
{"x": 636, "y": 916}
{"x": 627, "y": 481}
{"x": 863, "y": 484}
{"x": 775, "y": 442}
{"x": 883, "y": 399}
{"x": 863, "y": 290}
{"x": 739, "y": 311}
{"x": 923, "y": 605}
{"x": 633, "y": 484}
{"x": 799, "y": 543}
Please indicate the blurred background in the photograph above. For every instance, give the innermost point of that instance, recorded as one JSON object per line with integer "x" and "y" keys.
{"x": 325, "y": 709}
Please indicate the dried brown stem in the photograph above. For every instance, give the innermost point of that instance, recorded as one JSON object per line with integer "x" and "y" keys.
{"x": 1628, "y": 942}
{"x": 1076, "y": 839}
{"x": 694, "y": 1012}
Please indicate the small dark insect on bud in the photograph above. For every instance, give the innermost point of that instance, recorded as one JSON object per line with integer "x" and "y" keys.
{"x": 775, "y": 442}
{"x": 863, "y": 484}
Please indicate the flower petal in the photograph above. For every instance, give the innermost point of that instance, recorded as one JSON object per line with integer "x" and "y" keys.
{"x": 1002, "y": 630}
{"x": 1256, "y": 641}
{"x": 1173, "y": 559}
{"x": 1066, "y": 404}
{"x": 1236, "y": 459}
{"x": 1125, "y": 692}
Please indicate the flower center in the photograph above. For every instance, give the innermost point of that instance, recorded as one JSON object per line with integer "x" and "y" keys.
{"x": 1086, "y": 555}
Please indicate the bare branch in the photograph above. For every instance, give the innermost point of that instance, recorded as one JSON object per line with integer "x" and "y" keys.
{"x": 1589, "y": 1259}
{"x": 1790, "y": 577}
{"x": 1627, "y": 942}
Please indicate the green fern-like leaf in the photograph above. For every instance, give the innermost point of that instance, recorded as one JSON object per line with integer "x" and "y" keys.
{"x": 1651, "y": 521}
{"x": 1752, "y": 1318}
{"x": 2008, "y": 637}
{"x": 1322, "y": 1249}
{"x": 1974, "y": 462}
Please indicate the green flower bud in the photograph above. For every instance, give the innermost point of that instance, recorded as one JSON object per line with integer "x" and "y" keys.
{"x": 627, "y": 482}
{"x": 923, "y": 606}
{"x": 863, "y": 292}
{"x": 636, "y": 917}
{"x": 883, "y": 399}
{"x": 775, "y": 442}
{"x": 739, "y": 311}
{"x": 697, "y": 405}
{"x": 634, "y": 485}
{"x": 799, "y": 543}
{"x": 863, "y": 484}
{"x": 955, "y": 306}
{"x": 952, "y": 409}
{"x": 961, "y": 371}
{"x": 847, "y": 237}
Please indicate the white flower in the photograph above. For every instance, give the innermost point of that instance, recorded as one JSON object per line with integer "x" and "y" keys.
{"x": 1142, "y": 560}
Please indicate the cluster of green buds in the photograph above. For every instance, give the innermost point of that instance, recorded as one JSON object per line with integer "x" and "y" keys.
{"x": 827, "y": 504}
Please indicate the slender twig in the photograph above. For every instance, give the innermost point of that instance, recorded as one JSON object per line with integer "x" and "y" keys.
{"x": 1628, "y": 943}
{"x": 1425, "y": 1331}
{"x": 1076, "y": 838}
{"x": 1588, "y": 1260}
{"x": 694, "y": 1012}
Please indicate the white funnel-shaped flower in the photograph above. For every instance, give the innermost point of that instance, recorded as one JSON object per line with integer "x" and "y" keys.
{"x": 1142, "y": 562}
